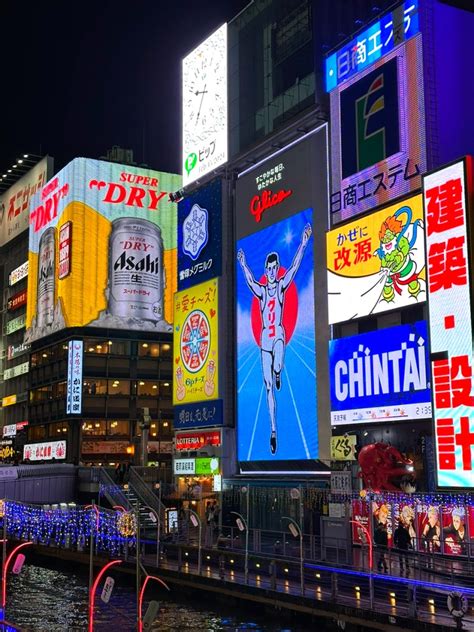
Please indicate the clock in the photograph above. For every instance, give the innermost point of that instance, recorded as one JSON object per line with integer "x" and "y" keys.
{"x": 204, "y": 88}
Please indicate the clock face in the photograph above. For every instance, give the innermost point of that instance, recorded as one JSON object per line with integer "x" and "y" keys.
{"x": 205, "y": 102}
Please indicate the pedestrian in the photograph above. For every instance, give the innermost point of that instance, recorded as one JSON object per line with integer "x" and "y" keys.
{"x": 402, "y": 541}
{"x": 117, "y": 473}
{"x": 122, "y": 470}
{"x": 381, "y": 542}
{"x": 215, "y": 515}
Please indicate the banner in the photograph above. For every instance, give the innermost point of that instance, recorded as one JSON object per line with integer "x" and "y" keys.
{"x": 199, "y": 415}
{"x": 45, "y": 451}
{"x": 196, "y": 344}
{"x": 343, "y": 447}
{"x": 448, "y": 193}
{"x": 74, "y": 377}
{"x": 377, "y": 263}
{"x": 200, "y": 236}
{"x": 381, "y": 376}
{"x": 102, "y": 250}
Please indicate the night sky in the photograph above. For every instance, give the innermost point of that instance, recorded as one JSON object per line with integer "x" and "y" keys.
{"x": 79, "y": 77}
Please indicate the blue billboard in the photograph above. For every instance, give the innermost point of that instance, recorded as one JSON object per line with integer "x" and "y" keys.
{"x": 373, "y": 43}
{"x": 380, "y": 376}
{"x": 200, "y": 415}
{"x": 200, "y": 236}
{"x": 276, "y": 349}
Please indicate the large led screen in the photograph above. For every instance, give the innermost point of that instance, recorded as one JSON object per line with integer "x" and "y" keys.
{"x": 381, "y": 376}
{"x": 200, "y": 236}
{"x": 377, "y": 263}
{"x": 102, "y": 250}
{"x": 378, "y": 133}
{"x": 195, "y": 342}
{"x": 204, "y": 84}
{"x": 276, "y": 372}
{"x": 448, "y": 206}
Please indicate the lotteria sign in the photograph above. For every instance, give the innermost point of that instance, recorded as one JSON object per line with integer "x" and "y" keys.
{"x": 447, "y": 198}
{"x": 197, "y": 440}
{"x": 380, "y": 376}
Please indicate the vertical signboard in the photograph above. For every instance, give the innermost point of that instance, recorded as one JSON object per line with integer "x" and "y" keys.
{"x": 377, "y": 121}
{"x": 74, "y": 377}
{"x": 200, "y": 236}
{"x": 204, "y": 107}
{"x": 280, "y": 227}
{"x": 196, "y": 344}
{"x": 15, "y": 202}
{"x": 448, "y": 202}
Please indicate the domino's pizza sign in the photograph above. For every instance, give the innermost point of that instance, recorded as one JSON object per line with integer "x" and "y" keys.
{"x": 200, "y": 236}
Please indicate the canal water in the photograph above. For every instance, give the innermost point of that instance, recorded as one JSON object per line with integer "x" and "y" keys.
{"x": 55, "y": 600}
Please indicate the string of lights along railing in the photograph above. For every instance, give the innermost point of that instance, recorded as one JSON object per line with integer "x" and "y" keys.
{"x": 113, "y": 531}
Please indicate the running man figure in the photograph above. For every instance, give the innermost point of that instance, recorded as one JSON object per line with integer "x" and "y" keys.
{"x": 271, "y": 297}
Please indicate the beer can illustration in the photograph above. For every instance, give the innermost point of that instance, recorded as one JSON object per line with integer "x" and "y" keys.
{"x": 46, "y": 278}
{"x": 136, "y": 272}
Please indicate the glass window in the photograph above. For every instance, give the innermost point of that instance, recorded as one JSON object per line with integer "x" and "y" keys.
{"x": 58, "y": 429}
{"x": 42, "y": 394}
{"x": 149, "y": 388}
{"x": 166, "y": 351}
{"x": 97, "y": 346}
{"x": 149, "y": 349}
{"x": 59, "y": 390}
{"x": 95, "y": 387}
{"x": 94, "y": 428}
{"x": 119, "y": 347}
{"x": 119, "y": 387}
{"x": 118, "y": 428}
{"x": 36, "y": 433}
{"x": 165, "y": 389}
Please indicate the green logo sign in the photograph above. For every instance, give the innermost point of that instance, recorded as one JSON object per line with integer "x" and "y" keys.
{"x": 190, "y": 162}
{"x": 207, "y": 466}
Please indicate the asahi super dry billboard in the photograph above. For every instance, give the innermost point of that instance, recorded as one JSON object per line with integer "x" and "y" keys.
{"x": 115, "y": 265}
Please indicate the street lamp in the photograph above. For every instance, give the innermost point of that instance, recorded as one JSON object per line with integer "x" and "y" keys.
{"x": 295, "y": 531}
{"x": 140, "y": 599}
{"x": 241, "y": 525}
{"x": 197, "y": 522}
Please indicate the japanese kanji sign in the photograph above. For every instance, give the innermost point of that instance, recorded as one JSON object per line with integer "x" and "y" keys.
{"x": 378, "y": 145}
{"x": 343, "y": 447}
{"x": 196, "y": 344}
{"x": 377, "y": 263}
{"x": 198, "y": 415}
{"x": 200, "y": 236}
{"x": 74, "y": 378}
{"x": 446, "y": 194}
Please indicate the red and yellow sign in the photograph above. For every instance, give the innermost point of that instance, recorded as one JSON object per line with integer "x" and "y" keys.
{"x": 377, "y": 263}
{"x": 195, "y": 344}
{"x": 197, "y": 440}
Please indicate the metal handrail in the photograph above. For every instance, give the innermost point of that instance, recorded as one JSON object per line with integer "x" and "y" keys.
{"x": 144, "y": 493}
{"x": 114, "y": 493}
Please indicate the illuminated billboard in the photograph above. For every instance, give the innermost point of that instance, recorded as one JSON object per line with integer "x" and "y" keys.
{"x": 200, "y": 236}
{"x": 448, "y": 204}
{"x": 281, "y": 222}
{"x": 378, "y": 132}
{"x": 15, "y": 202}
{"x": 204, "y": 107}
{"x": 373, "y": 43}
{"x": 381, "y": 376}
{"x": 196, "y": 344}
{"x": 377, "y": 263}
{"x": 115, "y": 265}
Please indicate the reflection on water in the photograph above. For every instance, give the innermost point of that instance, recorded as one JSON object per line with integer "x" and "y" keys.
{"x": 42, "y": 599}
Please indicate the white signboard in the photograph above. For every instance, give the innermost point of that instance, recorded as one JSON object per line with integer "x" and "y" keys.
{"x": 18, "y": 274}
{"x": 14, "y": 203}
{"x": 204, "y": 110}
{"x": 15, "y": 371}
{"x": 184, "y": 466}
{"x": 341, "y": 482}
{"x": 9, "y": 431}
{"x": 45, "y": 451}
{"x": 74, "y": 377}
{"x": 446, "y": 215}
{"x": 16, "y": 350}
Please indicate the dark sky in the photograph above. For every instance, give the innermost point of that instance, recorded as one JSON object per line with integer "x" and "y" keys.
{"x": 79, "y": 77}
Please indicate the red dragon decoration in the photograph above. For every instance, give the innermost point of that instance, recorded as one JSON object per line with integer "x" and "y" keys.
{"x": 381, "y": 464}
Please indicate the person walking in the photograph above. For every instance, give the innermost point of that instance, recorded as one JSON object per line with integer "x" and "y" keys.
{"x": 381, "y": 542}
{"x": 402, "y": 541}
